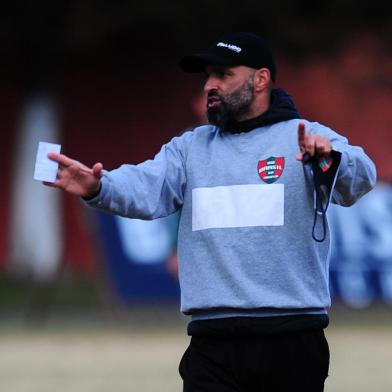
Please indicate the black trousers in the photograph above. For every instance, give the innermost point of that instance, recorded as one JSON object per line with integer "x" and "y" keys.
{"x": 294, "y": 361}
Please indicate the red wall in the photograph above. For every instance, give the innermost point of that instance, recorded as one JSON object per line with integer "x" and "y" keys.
{"x": 117, "y": 114}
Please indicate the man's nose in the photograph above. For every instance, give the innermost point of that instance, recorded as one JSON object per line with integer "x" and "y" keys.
{"x": 211, "y": 85}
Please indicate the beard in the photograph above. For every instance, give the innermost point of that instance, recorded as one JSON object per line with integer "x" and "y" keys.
{"x": 231, "y": 107}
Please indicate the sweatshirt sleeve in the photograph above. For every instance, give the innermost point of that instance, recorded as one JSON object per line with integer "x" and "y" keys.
{"x": 356, "y": 173}
{"x": 149, "y": 190}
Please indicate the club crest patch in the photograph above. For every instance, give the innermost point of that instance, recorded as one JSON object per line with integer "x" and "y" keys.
{"x": 270, "y": 169}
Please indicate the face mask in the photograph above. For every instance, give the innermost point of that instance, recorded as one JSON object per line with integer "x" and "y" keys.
{"x": 325, "y": 172}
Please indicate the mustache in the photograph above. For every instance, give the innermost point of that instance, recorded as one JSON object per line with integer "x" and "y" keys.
{"x": 214, "y": 95}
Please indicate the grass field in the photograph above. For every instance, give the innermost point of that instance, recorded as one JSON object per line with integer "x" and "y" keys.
{"x": 141, "y": 353}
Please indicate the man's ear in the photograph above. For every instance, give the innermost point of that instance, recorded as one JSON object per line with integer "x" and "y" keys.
{"x": 262, "y": 79}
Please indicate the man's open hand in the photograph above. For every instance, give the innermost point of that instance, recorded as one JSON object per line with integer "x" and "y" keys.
{"x": 76, "y": 178}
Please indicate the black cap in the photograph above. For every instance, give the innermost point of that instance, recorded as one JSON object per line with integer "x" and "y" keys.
{"x": 233, "y": 49}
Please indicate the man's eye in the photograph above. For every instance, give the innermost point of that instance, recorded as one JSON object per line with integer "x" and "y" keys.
{"x": 218, "y": 73}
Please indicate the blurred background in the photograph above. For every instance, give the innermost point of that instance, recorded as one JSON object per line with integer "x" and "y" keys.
{"x": 90, "y": 301}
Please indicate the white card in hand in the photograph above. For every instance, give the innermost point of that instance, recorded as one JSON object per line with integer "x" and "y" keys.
{"x": 45, "y": 168}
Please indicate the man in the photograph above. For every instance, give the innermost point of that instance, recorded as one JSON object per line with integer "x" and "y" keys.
{"x": 253, "y": 187}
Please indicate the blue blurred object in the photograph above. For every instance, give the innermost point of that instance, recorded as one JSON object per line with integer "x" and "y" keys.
{"x": 361, "y": 258}
{"x": 137, "y": 254}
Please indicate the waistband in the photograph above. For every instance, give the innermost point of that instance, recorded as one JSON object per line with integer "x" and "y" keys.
{"x": 216, "y": 313}
{"x": 253, "y": 326}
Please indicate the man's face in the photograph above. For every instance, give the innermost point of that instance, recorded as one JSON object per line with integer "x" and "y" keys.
{"x": 229, "y": 95}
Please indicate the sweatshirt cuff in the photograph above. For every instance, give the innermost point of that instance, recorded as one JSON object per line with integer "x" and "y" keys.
{"x": 98, "y": 199}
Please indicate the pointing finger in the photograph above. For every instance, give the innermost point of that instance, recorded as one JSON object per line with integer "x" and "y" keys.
{"x": 301, "y": 136}
{"x": 61, "y": 159}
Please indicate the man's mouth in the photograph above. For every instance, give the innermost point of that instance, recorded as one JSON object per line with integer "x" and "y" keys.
{"x": 213, "y": 102}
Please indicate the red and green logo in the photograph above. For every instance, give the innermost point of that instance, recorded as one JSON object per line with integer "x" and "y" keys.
{"x": 325, "y": 163}
{"x": 270, "y": 169}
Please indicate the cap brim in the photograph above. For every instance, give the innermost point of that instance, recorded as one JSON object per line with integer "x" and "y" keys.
{"x": 198, "y": 62}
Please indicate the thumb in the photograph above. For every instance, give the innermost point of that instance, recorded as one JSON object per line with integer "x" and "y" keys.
{"x": 97, "y": 170}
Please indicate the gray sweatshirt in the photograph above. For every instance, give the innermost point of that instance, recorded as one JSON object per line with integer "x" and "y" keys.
{"x": 245, "y": 242}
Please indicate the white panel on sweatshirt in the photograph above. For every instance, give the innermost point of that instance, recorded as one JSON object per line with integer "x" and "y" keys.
{"x": 237, "y": 206}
